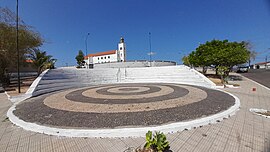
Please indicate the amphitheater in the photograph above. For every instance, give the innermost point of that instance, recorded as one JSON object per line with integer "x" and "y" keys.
{"x": 121, "y": 101}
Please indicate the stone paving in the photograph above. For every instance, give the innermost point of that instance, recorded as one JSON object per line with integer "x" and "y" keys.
{"x": 241, "y": 132}
{"x": 105, "y": 106}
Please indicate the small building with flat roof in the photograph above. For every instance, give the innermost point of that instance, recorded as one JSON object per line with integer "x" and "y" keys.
{"x": 262, "y": 65}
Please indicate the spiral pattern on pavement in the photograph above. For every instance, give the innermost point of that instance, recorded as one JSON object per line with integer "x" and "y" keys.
{"x": 119, "y": 105}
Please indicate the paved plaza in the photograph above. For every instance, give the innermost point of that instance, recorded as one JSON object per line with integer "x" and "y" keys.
{"x": 127, "y": 105}
{"x": 241, "y": 132}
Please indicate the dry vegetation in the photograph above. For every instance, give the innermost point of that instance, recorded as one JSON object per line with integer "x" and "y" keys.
{"x": 264, "y": 113}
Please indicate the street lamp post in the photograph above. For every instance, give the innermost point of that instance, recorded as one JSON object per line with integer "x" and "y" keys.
{"x": 86, "y": 47}
{"x": 86, "y": 43}
{"x": 150, "y": 53}
{"x": 17, "y": 46}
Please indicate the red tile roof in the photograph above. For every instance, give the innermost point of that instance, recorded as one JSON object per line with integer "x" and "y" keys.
{"x": 261, "y": 63}
{"x": 100, "y": 53}
{"x": 29, "y": 61}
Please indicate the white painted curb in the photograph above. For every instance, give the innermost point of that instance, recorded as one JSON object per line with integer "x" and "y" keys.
{"x": 33, "y": 86}
{"x": 124, "y": 132}
{"x": 30, "y": 91}
{"x": 212, "y": 84}
{"x": 227, "y": 86}
{"x": 231, "y": 86}
{"x": 7, "y": 95}
{"x": 254, "y": 110}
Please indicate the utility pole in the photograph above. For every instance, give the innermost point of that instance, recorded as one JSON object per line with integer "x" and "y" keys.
{"x": 17, "y": 46}
{"x": 265, "y": 61}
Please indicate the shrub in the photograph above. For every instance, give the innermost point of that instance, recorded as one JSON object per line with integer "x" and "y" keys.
{"x": 156, "y": 143}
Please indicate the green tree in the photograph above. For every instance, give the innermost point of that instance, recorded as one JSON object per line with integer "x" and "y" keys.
{"x": 28, "y": 40}
{"x": 41, "y": 60}
{"x": 223, "y": 55}
{"x": 80, "y": 58}
{"x": 230, "y": 54}
{"x": 201, "y": 57}
{"x": 185, "y": 60}
{"x": 222, "y": 72}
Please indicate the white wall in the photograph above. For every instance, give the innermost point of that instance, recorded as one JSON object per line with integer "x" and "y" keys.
{"x": 133, "y": 64}
{"x": 262, "y": 66}
{"x": 105, "y": 58}
{"x": 102, "y": 59}
{"x": 122, "y": 52}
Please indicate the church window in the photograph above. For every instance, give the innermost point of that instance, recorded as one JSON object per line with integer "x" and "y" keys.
{"x": 101, "y": 57}
{"x": 108, "y": 57}
{"x": 120, "y": 48}
{"x": 121, "y": 54}
{"x": 98, "y": 58}
{"x": 105, "y": 57}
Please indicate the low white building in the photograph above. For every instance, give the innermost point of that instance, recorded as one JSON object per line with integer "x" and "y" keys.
{"x": 118, "y": 55}
{"x": 262, "y": 65}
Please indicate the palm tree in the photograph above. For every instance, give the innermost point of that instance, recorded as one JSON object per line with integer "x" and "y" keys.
{"x": 41, "y": 60}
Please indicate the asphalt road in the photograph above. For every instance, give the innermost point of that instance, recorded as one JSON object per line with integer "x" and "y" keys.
{"x": 261, "y": 76}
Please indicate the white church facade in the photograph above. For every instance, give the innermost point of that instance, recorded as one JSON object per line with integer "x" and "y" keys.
{"x": 118, "y": 55}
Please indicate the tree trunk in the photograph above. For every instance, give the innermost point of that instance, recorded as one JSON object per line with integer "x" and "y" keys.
{"x": 204, "y": 69}
{"x": 39, "y": 71}
{"x": 222, "y": 79}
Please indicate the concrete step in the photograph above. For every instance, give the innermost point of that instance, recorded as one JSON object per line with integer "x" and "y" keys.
{"x": 43, "y": 82}
{"x": 164, "y": 77}
{"x": 59, "y": 79}
{"x": 199, "y": 83}
{"x": 49, "y": 90}
{"x": 173, "y": 80}
{"x": 57, "y": 85}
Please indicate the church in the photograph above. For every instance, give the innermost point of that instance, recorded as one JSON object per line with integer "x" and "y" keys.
{"x": 118, "y": 55}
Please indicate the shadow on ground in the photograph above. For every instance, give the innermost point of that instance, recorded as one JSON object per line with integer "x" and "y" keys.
{"x": 235, "y": 78}
{"x": 231, "y": 77}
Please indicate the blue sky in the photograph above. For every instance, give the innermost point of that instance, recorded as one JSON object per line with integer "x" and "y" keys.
{"x": 177, "y": 27}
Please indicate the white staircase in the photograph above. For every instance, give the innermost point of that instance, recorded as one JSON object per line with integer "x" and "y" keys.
{"x": 64, "y": 78}
{"x": 169, "y": 74}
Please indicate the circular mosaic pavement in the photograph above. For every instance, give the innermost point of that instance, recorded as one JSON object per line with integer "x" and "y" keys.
{"x": 122, "y": 105}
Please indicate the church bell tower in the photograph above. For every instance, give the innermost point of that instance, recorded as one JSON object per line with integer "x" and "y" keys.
{"x": 121, "y": 52}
